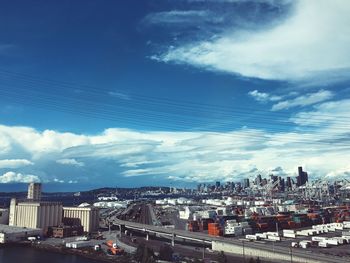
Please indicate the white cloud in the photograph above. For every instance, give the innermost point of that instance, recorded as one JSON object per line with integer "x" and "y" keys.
{"x": 263, "y": 96}
{"x": 181, "y": 17}
{"x": 151, "y": 157}
{"x": 72, "y": 162}
{"x": 312, "y": 44}
{"x": 55, "y": 180}
{"x": 333, "y": 114}
{"x": 304, "y": 100}
{"x": 35, "y": 143}
{"x": 14, "y": 163}
{"x": 340, "y": 173}
{"x": 12, "y": 177}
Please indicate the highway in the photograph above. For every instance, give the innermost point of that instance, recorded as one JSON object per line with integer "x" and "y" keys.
{"x": 201, "y": 237}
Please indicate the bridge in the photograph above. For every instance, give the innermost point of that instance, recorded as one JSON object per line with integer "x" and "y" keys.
{"x": 232, "y": 245}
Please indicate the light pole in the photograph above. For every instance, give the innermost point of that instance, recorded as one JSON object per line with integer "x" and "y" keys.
{"x": 203, "y": 250}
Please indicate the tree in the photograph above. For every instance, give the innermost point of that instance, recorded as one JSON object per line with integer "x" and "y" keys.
{"x": 165, "y": 252}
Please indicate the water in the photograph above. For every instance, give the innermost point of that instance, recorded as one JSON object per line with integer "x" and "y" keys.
{"x": 29, "y": 255}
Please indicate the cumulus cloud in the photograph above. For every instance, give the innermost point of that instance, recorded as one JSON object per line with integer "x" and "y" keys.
{"x": 304, "y": 100}
{"x": 149, "y": 157}
{"x": 311, "y": 44}
{"x": 14, "y": 163}
{"x": 263, "y": 96}
{"x": 35, "y": 143}
{"x": 72, "y": 162}
{"x": 12, "y": 177}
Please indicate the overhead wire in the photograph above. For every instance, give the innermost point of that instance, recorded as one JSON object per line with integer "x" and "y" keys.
{"x": 154, "y": 118}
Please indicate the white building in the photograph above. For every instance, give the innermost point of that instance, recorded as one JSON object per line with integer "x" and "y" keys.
{"x": 34, "y": 191}
{"x": 32, "y": 214}
{"x": 10, "y": 234}
{"x": 88, "y": 217}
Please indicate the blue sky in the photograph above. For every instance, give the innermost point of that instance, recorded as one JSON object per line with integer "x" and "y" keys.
{"x": 133, "y": 93}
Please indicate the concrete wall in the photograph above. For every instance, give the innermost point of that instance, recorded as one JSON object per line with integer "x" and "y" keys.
{"x": 49, "y": 214}
{"x": 89, "y": 217}
{"x": 254, "y": 253}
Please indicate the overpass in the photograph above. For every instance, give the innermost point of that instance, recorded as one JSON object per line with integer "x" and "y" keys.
{"x": 233, "y": 245}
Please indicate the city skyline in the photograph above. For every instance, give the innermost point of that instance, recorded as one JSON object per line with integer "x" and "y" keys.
{"x": 173, "y": 93}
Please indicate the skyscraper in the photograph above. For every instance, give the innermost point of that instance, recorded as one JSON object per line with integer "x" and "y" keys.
{"x": 289, "y": 183}
{"x": 245, "y": 183}
{"x": 258, "y": 180}
{"x": 302, "y": 177}
{"x": 34, "y": 191}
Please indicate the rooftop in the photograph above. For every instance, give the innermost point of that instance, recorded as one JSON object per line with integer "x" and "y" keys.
{"x": 14, "y": 229}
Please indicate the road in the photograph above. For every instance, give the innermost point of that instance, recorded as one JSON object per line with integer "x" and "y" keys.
{"x": 204, "y": 237}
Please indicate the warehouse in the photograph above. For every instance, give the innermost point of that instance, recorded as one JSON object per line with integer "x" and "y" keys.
{"x": 10, "y": 234}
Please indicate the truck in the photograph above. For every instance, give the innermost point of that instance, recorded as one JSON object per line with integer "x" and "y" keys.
{"x": 294, "y": 244}
{"x": 331, "y": 241}
{"x": 111, "y": 244}
{"x": 113, "y": 249}
{"x": 323, "y": 244}
{"x": 289, "y": 235}
{"x": 305, "y": 244}
{"x": 83, "y": 238}
{"x": 319, "y": 239}
{"x": 273, "y": 238}
{"x": 252, "y": 237}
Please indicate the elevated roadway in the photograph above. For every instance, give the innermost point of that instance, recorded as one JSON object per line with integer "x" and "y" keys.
{"x": 296, "y": 255}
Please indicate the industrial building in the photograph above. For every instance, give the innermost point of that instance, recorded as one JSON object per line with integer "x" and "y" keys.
{"x": 33, "y": 214}
{"x": 88, "y": 217}
{"x": 10, "y": 234}
{"x": 34, "y": 191}
{"x": 67, "y": 231}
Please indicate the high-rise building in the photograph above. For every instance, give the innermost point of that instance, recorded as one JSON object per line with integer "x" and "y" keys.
{"x": 34, "y": 191}
{"x": 258, "y": 180}
{"x": 245, "y": 183}
{"x": 282, "y": 185}
{"x": 289, "y": 183}
{"x": 302, "y": 177}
